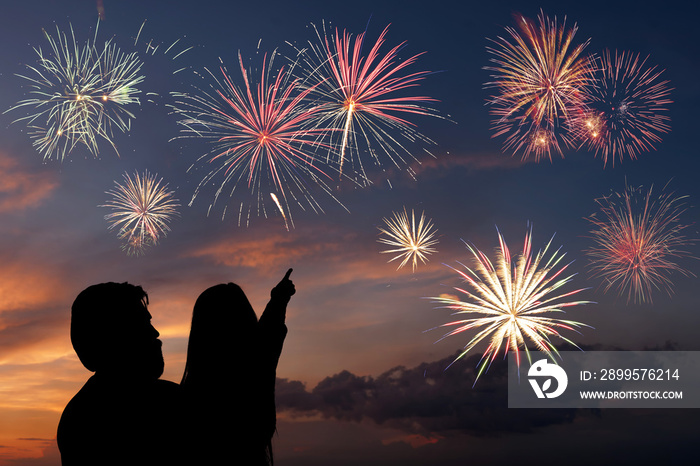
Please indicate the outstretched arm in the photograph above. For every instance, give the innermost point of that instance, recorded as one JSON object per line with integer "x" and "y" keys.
{"x": 271, "y": 323}
{"x": 276, "y": 310}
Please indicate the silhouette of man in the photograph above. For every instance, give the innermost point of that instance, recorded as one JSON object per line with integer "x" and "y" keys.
{"x": 123, "y": 414}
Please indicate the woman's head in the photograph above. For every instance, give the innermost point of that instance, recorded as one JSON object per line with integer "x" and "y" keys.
{"x": 223, "y": 329}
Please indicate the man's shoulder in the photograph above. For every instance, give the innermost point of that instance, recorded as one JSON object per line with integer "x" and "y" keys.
{"x": 85, "y": 392}
{"x": 125, "y": 418}
{"x": 100, "y": 401}
{"x": 73, "y": 416}
{"x": 98, "y": 393}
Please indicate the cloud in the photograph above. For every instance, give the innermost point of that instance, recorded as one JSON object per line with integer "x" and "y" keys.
{"x": 47, "y": 449}
{"x": 264, "y": 252}
{"x": 428, "y": 402}
{"x": 425, "y": 401}
{"x": 21, "y": 189}
{"x": 339, "y": 256}
{"x": 34, "y": 312}
{"x": 25, "y": 286}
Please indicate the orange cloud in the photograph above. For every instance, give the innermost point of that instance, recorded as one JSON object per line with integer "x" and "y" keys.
{"x": 269, "y": 251}
{"x": 21, "y": 189}
{"x": 23, "y": 286}
{"x": 34, "y": 313}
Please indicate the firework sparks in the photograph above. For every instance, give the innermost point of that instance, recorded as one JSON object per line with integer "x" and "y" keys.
{"x": 279, "y": 206}
{"x": 151, "y": 47}
{"x": 509, "y": 300}
{"x": 258, "y": 140}
{"x": 142, "y": 208}
{"x": 360, "y": 99}
{"x": 412, "y": 241}
{"x": 627, "y": 112}
{"x": 638, "y": 237}
{"x": 79, "y": 95}
{"x": 540, "y": 78}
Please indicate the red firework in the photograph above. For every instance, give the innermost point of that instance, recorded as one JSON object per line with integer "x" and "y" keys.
{"x": 360, "y": 98}
{"x": 638, "y": 240}
{"x": 258, "y": 139}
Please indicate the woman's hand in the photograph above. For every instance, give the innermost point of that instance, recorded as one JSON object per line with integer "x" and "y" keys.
{"x": 284, "y": 289}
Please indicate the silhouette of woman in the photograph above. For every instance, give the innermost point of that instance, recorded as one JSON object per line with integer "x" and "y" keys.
{"x": 229, "y": 380}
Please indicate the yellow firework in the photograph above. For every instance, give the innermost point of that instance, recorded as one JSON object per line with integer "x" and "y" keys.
{"x": 511, "y": 301}
{"x": 412, "y": 241}
{"x": 540, "y": 79}
{"x": 142, "y": 208}
{"x": 79, "y": 94}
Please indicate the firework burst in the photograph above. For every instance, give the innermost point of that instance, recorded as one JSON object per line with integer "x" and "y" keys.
{"x": 258, "y": 141}
{"x": 626, "y": 108}
{"x": 142, "y": 208}
{"x": 412, "y": 241}
{"x": 79, "y": 94}
{"x": 361, "y": 101}
{"x": 540, "y": 78}
{"x": 510, "y": 301}
{"x": 638, "y": 239}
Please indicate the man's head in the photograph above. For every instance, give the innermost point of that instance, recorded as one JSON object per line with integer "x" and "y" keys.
{"x": 111, "y": 331}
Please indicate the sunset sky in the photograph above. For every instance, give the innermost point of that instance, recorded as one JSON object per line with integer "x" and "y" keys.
{"x": 362, "y": 381}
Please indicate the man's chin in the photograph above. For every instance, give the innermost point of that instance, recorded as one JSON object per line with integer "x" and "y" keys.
{"x": 153, "y": 367}
{"x": 158, "y": 366}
